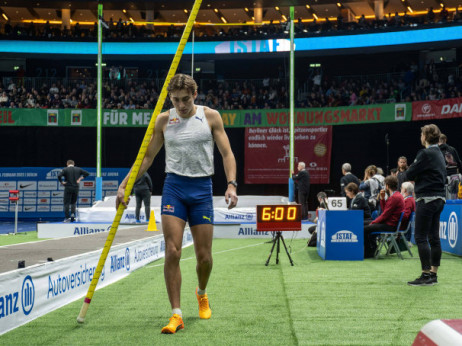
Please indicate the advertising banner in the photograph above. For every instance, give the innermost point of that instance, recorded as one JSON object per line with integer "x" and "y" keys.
{"x": 29, "y": 293}
{"x": 365, "y": 114}
{"x": 41, "y": 195}
{"x": 267, "y": 154}
{"x": 438, "y": 109}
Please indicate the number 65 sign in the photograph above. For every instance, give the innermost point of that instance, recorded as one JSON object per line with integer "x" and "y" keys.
{"x": 337, "y": 203}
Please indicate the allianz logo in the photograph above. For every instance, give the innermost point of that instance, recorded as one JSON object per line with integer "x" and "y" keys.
{"x": 89, "y": 230}
{"x": 9, "y": 303}
{"x": 344, "y": 236}
{"x": 448, "y": 230}
{"x": 120, "y": 262}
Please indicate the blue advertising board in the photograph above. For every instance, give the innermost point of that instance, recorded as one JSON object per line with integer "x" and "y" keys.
{"x": 341, "y": 235}
{"x": 40, "y": 194}
{"x": 451, "y": 229}
{"x": 238, "y": 47}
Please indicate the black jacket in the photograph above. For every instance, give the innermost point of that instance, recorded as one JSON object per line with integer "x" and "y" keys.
{"x": 429, "y": 173}
{"x": 303, "y": 181}
{"x": 360, "y": 203}
{"x": 451, "y": 168}
{"x": 143, "y": 183}
{"x": 71, "y": 174}
{"x": 345, "y": 180}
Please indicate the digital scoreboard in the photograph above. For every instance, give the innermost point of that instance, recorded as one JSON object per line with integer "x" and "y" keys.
{"x": 286, "y": 217}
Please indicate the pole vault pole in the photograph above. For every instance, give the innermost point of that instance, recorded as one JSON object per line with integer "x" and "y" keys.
{"x": 291, "y": 115}
{"x": 99, "y": 67}
{"x": 139, "y": 160}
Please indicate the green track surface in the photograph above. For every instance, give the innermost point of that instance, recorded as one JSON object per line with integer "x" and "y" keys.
{"x": 313, "y": 303}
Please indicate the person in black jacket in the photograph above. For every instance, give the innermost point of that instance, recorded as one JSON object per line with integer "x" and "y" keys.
{"x": 347, "y": 178}
{"x": 429, "y": 174}
{"x": 302, "y": 179}
{"x": 453, "y": 162}
{"x": 72, "y": 176}
{"x": 358, "y": 202}
{"x": 142, "y": 190}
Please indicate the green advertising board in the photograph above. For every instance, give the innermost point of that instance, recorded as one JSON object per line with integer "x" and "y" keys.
{"x": 366, "y": 114}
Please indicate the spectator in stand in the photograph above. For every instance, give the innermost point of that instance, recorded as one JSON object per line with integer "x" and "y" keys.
{"x": 371, "y": 186}
{"x": 402, "y": 167}
{"x": 358, "y": 202}
{"x": 347, "y": 178}
{"x": 392, "y": 208}
{"x": 452, "y": 158}
{"x": 407, "y": 190}
{"x": 394, "y": 172}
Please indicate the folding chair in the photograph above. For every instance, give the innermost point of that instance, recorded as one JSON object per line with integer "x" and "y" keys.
{"x": 387, "y": 239}
{"x": 408, "y": 229}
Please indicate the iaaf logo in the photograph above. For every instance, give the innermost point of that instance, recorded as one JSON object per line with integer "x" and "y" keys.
{"x": 344, "y": 236}
{"x": 448, "y": 230}
{"x": 53, "y": 174}
{"x": 9, "y": 304}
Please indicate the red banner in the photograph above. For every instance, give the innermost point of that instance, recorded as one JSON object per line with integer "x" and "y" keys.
{"x": 440, "y": 109}
{"x": 267, "y": 153}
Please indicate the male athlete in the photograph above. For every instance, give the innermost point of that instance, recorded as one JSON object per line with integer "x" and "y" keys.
{"x": 188, "y": 132}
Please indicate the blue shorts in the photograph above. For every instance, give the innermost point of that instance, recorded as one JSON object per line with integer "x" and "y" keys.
{"x": 189, "y": 199}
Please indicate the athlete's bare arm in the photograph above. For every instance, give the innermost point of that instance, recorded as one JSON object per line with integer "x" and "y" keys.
{"x": 229, "y": 162}
{"x": 157, "y": 140}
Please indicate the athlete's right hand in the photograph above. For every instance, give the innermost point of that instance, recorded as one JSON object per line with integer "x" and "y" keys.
{"x": 120, "y": 198}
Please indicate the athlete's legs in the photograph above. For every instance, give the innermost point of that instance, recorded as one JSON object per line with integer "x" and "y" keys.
{"x": 202, "y": 236}
{"x": 173, "y": 228}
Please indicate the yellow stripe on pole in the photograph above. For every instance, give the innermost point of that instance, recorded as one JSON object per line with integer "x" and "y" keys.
{"x": 139, "y": 160}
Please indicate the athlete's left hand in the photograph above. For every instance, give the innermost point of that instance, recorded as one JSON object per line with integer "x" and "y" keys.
{"x": 231, "y": 197}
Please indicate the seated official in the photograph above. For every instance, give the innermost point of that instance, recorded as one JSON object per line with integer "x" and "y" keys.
{"x": 322, "y": 199}
{"x": 407, "y": 190}
{"x": 388, "y": 220}
{"x": 358, "y": 202}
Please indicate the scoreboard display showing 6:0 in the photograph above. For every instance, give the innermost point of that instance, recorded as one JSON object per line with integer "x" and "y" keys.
{"x": 286, "y": 217}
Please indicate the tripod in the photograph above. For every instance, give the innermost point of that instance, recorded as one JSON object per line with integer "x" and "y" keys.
{"x": 277, "y": 240}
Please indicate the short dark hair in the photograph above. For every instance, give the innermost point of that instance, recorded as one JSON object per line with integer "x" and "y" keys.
{"x": 353, "y": 188}
{"x": 392, "y": 182}
{"x": 431, "y": 133}
{"x": 182, "y": 81}
{"x": 393, "y": 170}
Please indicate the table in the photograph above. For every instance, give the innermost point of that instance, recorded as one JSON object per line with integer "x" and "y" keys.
{"x": 341, "y": 235}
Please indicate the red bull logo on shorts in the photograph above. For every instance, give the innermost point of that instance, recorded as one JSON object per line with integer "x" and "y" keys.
{"x": 168, "y": 208}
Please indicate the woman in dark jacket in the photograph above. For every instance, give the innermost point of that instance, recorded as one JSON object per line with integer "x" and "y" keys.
{"x": 429, "y": 174}
{"x": 358, "y": 201}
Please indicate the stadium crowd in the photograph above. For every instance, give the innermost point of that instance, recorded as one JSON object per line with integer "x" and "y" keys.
{"x": 317, "y": 91}
{"x": 123, "y": 30}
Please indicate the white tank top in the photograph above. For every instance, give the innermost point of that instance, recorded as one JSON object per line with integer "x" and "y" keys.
{"x": 189, "y": 145}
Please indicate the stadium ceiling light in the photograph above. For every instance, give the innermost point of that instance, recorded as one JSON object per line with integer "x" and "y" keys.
{"x": 442, "y": 5}
{"x": 223, "y": 19}
{"x": 315, "y": 16}
{"x": 410, "y": 9}
{"x": 284, "y": 17}
{"x": 185, "y": 11}
{"x": 276, "y": 8}
{"x": 339, "y": 4}
{"x": 5, "y": 16}
{"x": 246, "y": 9}
{"x": 131, "y": 20}
{"x": 216, "y": 10}
{"x": 124, "y": 10}
{"x": 307, "y": 6}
